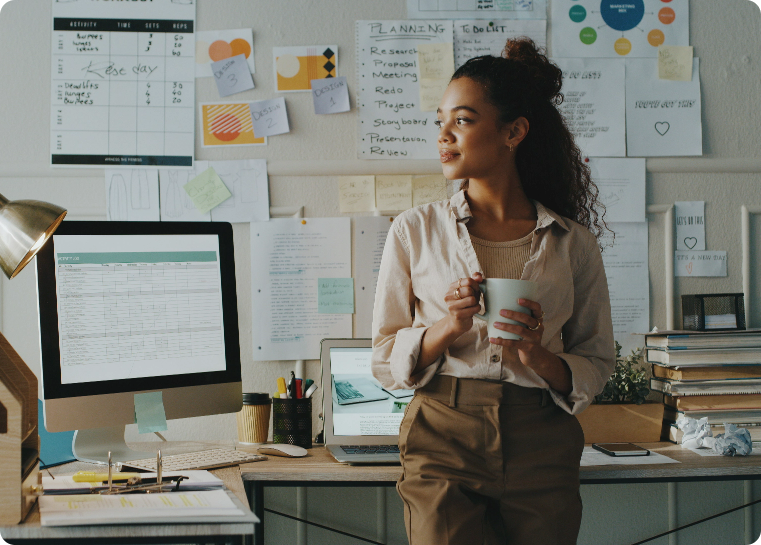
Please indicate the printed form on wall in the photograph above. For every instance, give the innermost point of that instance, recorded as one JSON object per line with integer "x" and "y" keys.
{"x": 123, "y": 81}
{"x": 476, "y": 38}
{"x": 476, "y": 9}
{"x": 622, "y": 188}
{"x": 288, "y": 256}
{"x": 391, "y": 122}
{"x": 369, "y": 236}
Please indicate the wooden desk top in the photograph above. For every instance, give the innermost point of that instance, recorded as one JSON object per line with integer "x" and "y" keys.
{"x": 319, "y": 466}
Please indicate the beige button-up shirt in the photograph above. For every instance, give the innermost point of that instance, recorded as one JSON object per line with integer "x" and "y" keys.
{"x": 429, "y": 247}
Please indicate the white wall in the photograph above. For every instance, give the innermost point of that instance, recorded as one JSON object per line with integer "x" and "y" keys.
{"x": 304, "y": 166}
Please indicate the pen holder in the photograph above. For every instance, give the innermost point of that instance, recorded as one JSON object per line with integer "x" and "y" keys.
{"x": 292, "y": 421}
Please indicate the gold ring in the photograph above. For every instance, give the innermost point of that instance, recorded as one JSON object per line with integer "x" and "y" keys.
{"x": 538, "y": 323}
{"x": 457, "y": 293}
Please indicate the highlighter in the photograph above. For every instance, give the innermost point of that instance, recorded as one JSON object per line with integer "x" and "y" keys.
{"x": 281, "y": 386}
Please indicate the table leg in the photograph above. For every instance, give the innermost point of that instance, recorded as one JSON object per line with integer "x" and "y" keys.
{"x": 256, "y": 498}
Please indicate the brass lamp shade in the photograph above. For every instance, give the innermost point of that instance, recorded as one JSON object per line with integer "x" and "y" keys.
{"x": 24, "y": 228}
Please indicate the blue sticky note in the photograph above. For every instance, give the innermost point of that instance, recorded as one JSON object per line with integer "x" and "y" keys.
{"x": 335, "y": 295}
{"x": 55, "y": 448}
{"x": 149, "y": 412}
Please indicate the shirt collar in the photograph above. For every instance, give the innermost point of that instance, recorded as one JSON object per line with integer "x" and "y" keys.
{"x": 545, "y": 216}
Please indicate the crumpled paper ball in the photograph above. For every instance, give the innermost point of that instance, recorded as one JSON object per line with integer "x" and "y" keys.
{"x": 697, "y": 434}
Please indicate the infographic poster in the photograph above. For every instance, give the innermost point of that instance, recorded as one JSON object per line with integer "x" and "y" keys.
{"x": 617, "y": 28}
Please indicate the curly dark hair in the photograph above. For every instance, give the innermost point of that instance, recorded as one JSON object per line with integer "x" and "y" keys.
{"x": 524, "y": 83}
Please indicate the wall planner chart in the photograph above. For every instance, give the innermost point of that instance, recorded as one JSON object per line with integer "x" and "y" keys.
{"x": 123, "y": 83}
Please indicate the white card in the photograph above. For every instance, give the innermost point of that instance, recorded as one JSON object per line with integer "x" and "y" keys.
{"x": 689, "y": 217}
{"x": 269, "y": 117}
{"x": 662, "y": 116}
{"x": 232, "y": 75}
{"x": 330, "y": 95}
{"x": 700, "y": 263}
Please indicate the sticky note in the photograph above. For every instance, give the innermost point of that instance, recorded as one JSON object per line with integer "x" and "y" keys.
{"x": 675, "y": 62}
{"x": 431, "y": 91}
{"x": 335, "y": 295}
{"x": 393, "y": 192}
{"x": 356, "y": 193}
{"x": 269, "y": 117}
{"x": 149, "y": 412}
{"x": 330, "y": 95}
{"x": 232, "y": 75}
{"x": 435, "y": 61}
{"x": 427, "y": 189}
{"x": 207, "y": 190}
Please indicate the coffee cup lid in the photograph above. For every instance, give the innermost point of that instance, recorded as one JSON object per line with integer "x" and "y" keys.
{"x": 256, "y": 399}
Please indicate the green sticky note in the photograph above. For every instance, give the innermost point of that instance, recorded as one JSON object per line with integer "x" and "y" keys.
{"x": 149, "y": 412}
{"x": 207, "y": 190}
{"x": 335, "y": 295}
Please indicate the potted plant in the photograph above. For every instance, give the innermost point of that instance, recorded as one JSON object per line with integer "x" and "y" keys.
{"x": 621, "y": 413}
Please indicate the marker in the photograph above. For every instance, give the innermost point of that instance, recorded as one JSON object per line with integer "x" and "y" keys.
{"x": 281, "y": 386}
{"x": 298, "y": 389}
{"x": 307, "y": 383}
{"x": 310, "y": 390}
{"x": 93, "y": 477}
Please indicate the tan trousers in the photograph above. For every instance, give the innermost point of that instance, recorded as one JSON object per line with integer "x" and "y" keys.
{"x": 488, "y": 462}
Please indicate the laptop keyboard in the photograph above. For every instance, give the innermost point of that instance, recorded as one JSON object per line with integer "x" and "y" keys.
{"x": 345, "y": 391}
{"x": 370, "y": 449}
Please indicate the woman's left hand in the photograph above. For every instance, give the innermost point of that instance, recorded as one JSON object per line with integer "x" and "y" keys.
{"x": 530, "y": 350}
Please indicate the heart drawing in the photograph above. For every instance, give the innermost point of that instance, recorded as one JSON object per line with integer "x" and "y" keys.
{"x": 688, "y": 240}
{"x": 689, "y": 267}
{"x": 662, "y": 127}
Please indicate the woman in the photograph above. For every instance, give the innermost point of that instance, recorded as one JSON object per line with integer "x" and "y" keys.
{"x": 489, "y": 444}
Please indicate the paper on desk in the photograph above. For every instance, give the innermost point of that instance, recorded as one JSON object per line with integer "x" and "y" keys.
{"x": 197, "y": 479}
{"x": 98, "y": 509}
{"x": 592, "y": 457}
{"x": 709, "y": 452}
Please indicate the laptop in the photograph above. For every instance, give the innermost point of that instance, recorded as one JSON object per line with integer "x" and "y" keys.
{"x": 361, "y": 418}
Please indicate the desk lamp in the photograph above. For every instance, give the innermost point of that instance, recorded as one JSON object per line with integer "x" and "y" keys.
{"x": 24, "y": 228}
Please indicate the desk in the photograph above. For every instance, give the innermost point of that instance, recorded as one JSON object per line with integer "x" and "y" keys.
{"x": 318, "y": 468}
{"x": 234, "y": 532}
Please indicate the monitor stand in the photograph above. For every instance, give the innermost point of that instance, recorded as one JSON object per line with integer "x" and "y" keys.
{"x": 93, "y": 445}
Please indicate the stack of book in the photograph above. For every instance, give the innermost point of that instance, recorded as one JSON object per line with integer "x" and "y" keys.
{"x": 707, "y": 374}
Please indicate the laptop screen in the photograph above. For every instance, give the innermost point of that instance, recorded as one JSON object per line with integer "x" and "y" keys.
{"x": 360, "y": 405}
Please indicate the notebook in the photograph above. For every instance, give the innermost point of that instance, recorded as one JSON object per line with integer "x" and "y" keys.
{"x": 361, "y": 418}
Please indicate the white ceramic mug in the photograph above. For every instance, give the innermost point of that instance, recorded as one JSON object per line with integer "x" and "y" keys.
{"x": 503, "y": 293}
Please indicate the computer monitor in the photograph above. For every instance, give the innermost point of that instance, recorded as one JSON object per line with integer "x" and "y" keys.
{"x": 133, "y": 307}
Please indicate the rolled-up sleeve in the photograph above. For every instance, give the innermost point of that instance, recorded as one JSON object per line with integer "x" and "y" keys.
{"x": 396, "y": 342}
{"x": 588, "y": 335}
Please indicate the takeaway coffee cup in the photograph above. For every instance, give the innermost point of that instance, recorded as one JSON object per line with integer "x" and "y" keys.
{"x": 503, "y": 293}
{"x": 254, "y": 418}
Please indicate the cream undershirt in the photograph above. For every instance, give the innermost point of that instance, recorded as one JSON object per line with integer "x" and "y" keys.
{"x": 503, "y": 259}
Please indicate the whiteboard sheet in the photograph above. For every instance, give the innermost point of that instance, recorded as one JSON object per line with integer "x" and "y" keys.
{"x": 626, "y": 267}
{"x": 369, "y": 238}
{"x": 662, "y": 116}
{"x": 622, "y": 188}
{"x": 477, "y": 9}
{"x": 488, "y": 37}
{"x": 594, "y": 28}
{"x": 594, "y": 105}
{"x": 123, "y": 84}
{"x": 391, "y": 124}
{"x": 287, "y": 258}
{"x": 132, "y": 195}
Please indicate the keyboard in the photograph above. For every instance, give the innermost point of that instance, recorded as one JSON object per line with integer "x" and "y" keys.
{"x": 345, "y": 391}
{"x": 204, "y": 459}
{"x": 370, "y": 449}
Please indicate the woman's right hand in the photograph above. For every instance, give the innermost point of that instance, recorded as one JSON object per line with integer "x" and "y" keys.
{"x": 462, "y": 299}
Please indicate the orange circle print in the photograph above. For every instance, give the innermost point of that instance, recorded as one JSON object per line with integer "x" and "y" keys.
{"x": 656, "y": 37}
{"x": 666, "y": 16}
{"x": 220, "y": 50}
{"x": 240, "y": 46}
{"x": 226, "y": 127}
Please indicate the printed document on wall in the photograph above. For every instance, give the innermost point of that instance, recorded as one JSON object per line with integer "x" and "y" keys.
{"x": 123, "y": 84}
{"x": 391, "y": 122}
{"x": 627, "y": 271}
{"x": 132, "y": 195}
{"x": 288, "y": 256}
{"x": 622, "y": 188}
{"x": 473, "y": 38}
{"x": 612, "y": 28}
{"x": 662, "y": 116}
{"x": 370, "y": 234}
{"x": 477, "y": 9}
{"x": 594, "y": 105}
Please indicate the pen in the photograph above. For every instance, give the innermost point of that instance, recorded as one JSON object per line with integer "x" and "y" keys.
{"x": 292, "y": 386}
{"x": 297, "y": 388}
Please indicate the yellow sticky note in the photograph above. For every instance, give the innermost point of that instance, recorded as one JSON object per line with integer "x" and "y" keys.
{"x": 356, "y": 193}
{"x": 675, "y": 62}
{"x": 436, "y": 61}
{"x": 393, "y": 192}
{"x": 427, "y": 189}
{"x": 207, "y": 190}
{"x": 431, "y": 91}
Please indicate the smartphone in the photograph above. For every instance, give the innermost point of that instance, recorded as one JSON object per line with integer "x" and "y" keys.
{"x": 621, "y": 449}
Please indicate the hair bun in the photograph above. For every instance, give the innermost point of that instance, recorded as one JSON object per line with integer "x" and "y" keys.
{"x": 544, "y": 77}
